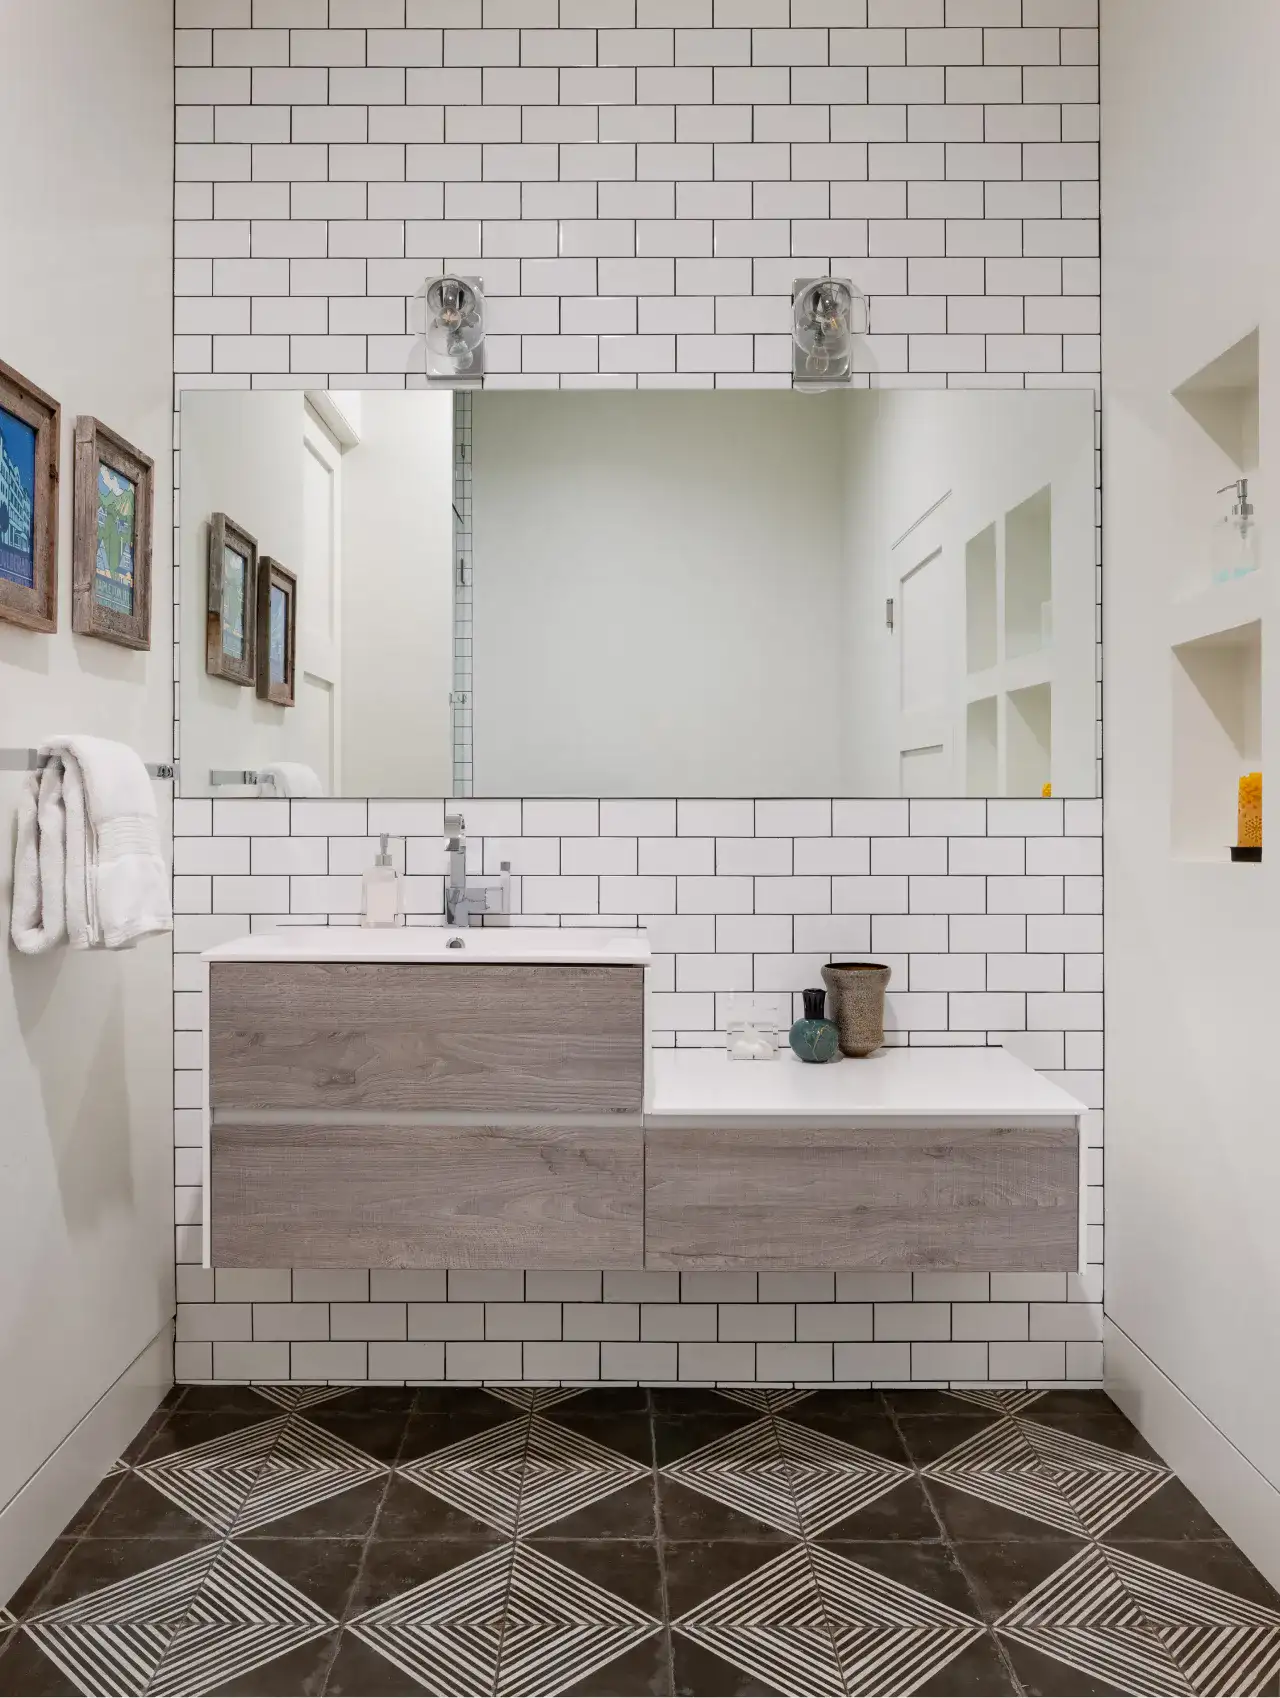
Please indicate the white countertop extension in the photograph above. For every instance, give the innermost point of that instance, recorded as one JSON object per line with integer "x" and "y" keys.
{"x": 893, "y": 1084}
{"x": 561, "y": 945}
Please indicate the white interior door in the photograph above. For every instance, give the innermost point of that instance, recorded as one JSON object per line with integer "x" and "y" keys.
{"x": 319, "y": 666}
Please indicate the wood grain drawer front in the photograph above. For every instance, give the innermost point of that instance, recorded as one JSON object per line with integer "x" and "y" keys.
{"x": 993, "y": 1200}
{"x": 484, "y": 1039}
{"x": 415, "y": 1196}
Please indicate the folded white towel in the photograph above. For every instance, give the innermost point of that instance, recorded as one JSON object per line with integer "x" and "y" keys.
{"x": 88, "y": 868}
{"x": 290, "y": 778}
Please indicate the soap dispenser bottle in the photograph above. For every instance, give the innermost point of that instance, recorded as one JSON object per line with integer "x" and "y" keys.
{"x": 381, "y": 905}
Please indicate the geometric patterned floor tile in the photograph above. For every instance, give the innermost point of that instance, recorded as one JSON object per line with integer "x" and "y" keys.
{"x": 524, "y": 1475}
{"x": 1050, "y": 1476}
{"x": 773, "y": 1625}
{"x": 118, "y": 1467}
{"x": 889, "y": 1637}
{"x": 301, "y": 1397}
{"x": 212, "y": 1480}
{"x": 790, "y": 1477}
{"x": 308, "y": 1465}
{"x": 244, "y": 1616}
{"x": 762, "y": 1399}
{"x": 531, "y": 1398}
{"x": 113, "y": 1640}
{"x": 560, "y": 1627}
{"x": 1086, "y": 1615}
{"x": 1222, "y": 1643}
{"x": 1002, "y": 1402}
{"x": 447, "y": 1633}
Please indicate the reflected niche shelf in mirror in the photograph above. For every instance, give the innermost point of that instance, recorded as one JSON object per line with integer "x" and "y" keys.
{"x": 1217, "y": 737}
{"x": 1029, "y": 740}
{"x": 981, "y": 623}
{"x": 982, "y": 747}
{"x": 1028, "y": 575}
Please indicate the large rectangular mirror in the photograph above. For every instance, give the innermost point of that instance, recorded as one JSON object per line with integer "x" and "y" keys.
{"x": 639, "y": 593}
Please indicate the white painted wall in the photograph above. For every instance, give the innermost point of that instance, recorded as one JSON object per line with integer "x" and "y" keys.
{"x": 656, "y": 594}
{"x": 242, "y": 455}
{"x": 397, "y": 606}
{"x": 1193, "y": 1159}
{"x": 86, "y": 1238}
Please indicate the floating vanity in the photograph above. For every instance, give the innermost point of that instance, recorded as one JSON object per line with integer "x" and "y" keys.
{"x": 425, "y": 1098}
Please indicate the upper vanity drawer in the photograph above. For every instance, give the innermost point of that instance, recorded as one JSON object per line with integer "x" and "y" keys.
{"x": 487, "y": 1039}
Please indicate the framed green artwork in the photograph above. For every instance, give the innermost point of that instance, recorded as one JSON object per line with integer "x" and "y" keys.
{"x": 230, "y": 622}
{"x": 277, "y": 632}
{"x": 111, "y": 538}
{"x": 30, "y": 428}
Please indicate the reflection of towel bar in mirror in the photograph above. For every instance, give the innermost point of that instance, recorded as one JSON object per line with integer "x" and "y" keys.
{"x": 29, "y": 760}
{"x": 220, "y": 776}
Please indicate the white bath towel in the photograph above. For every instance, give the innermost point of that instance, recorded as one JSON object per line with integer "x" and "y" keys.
{"x": 290, "y": 778}
{"x": 88, "y": 868}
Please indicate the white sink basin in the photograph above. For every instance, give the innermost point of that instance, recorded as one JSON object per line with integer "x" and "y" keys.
{"x": 445, "y": 945}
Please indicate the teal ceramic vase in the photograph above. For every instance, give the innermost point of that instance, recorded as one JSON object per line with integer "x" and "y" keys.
{"x": 815, "y": 1038}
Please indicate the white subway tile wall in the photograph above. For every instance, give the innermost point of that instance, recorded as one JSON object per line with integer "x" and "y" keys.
{"x": 639, "y": 182}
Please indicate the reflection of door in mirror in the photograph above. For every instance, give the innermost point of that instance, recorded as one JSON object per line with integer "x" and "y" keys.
{"x": 924, "y": 629}
{"x": 319, "y": 666}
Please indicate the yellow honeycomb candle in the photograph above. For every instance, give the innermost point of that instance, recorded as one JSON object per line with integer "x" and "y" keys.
{"x": 1249, "y": 812}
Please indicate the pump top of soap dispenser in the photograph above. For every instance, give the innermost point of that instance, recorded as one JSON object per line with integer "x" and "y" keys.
{"x": 383, "y": 857}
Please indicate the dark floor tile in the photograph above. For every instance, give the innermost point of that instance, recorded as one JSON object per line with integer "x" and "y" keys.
{"x": 409, "y": 1511}
{"x": 1170, "y": 1513}
{"x": 347, "y": 1515}
{"x": 358, "y": 1671}
{"x": 1111, "y": 1430}
{"x": 173, "y": 1397}
{"x": 629, "y": 1569}
{"x": 629, "y": 1513}
{"x": 929, "y": 1438}
{"x": 460, "y": 1400}
{"x": 868, "y": 1431}
{"x": 228, "y": 1400}
{"x": 1042, "y": 1676}
{"x": 136, "y": 1510}
{"x": 630, "y": 1435}
{"x": 680, "y": 1402}
{"x": 183, "y": 1429}
{"x": 927, "y": 1568}
{"x": 966, "y": 1517}
{"x": 698, "y": 1569}
{"x": 1002, "y": 1573}
{"x": 27, "y": 1597}
{"x": 1221, "y": 1565}
{"x": 368, "y": 1400}
{"x": 1070, "y": 1402}
{"x": 138, "y": 1445}
{"x": 324, "y": 1570}
{"x": 903, "y": 1513}
{"x": 843, "y": 1406}
{"x": 603, "y": 1400}
{"x": 979, "y": 1671}
{"x": 93, "y": 1506}
{"x": 300, "y": 1673}
{"x": 686, "y": 1514}
{"x": 699, "y": 1673}
{"x": 94, "y": 1563}
{"x": 927, "y": 1401}
{"x": 378, "y": 1433}
{"x": 639, "y": 1672}
{"x": 395, "y": 1566}
{"x": 428, "y": 1431}
{"x": 25, "y": 1672}
{"x": 674, "y": 1439}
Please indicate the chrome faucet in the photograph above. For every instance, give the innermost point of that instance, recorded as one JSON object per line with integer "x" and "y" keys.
{"x": 457, "y": 902}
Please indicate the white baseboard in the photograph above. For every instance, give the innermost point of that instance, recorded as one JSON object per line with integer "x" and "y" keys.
{"x": 33, "y": 1518}
{"x": 1240, "y": 1499}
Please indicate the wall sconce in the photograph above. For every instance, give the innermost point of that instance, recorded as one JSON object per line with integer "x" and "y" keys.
{"x": 823, "y": 311}
{"x": 455, "y": 330}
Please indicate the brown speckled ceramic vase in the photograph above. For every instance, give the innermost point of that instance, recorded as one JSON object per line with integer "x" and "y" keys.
{"x": 857, "y": 990}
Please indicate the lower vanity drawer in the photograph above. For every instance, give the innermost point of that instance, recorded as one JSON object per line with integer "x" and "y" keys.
{"x": 426, "y": 1196}
{"x": 991, "y": 1199}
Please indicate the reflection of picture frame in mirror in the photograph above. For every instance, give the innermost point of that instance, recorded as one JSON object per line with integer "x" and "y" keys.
{"x": 231, "y": 625}
{"x": 277, "y": 636}
{"x": 111, "y": 538}
{"x": 30, "y": 429}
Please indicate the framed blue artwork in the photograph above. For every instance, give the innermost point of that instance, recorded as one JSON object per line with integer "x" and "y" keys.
{"x": 277, "y": 632}
{"x": 230, "y": 622}
{"x": 111, "y": 556}
{"x": 30, "y": 425}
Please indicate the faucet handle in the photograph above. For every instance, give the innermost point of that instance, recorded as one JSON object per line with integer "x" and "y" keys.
{"x": 454, "y": 825}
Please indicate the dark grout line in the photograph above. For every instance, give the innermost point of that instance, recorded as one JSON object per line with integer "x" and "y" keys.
{"x": 661, "y": 1546}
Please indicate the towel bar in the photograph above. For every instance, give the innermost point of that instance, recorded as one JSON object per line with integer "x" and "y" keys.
{"x": 233, "y": 775}
{"x": 28, "y": 760}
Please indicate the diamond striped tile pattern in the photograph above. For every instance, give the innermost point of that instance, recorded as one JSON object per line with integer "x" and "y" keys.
{"x": 1114, "y": 1579}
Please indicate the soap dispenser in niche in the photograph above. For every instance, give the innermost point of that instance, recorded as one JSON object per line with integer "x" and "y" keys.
{"x": 381, "y": 904}
{"x": 815, "y": 1038}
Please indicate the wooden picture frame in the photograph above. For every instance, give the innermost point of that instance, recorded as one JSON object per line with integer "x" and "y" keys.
{"x": 231, "y": 623}
{"x": 111, "y": 537}
{"x": 278, "y": 647}
{"x": 30, "y": 446}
